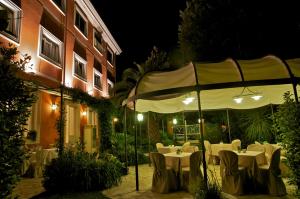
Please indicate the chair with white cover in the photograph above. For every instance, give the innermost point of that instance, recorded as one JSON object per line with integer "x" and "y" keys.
{"x": 269, "y": 149}
{"x": 233, "y": 176}
{"x": 159, "y": 145}
{"x": 37, "y": 165}
{"x": 256, "y": 147}
{"x": 164, "y": 180}
{"x": 236, "y": 144}
{"x": 269, "y": 176}
{"x": 190, "y": 149}
{"x": 208, "y": 153}
{"x": 192, "y": 176}
{"x": 186, "y": 144}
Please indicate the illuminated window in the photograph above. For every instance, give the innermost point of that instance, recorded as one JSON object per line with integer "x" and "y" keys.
{"x": 97, "y": 79}
{"x": 110, "y": 85}
{"x": 50, "y": 47}
{"x": 98, "y": 41}
{"x": 79, "y": 67}
{"x": 110, "y": 56}
{"x": 81, "y": 22}
{"x": 10, "y": 16}
{"x": 61, "y": 4}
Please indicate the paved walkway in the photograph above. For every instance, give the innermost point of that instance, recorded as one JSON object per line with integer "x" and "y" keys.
{"x": 28, "y": 188}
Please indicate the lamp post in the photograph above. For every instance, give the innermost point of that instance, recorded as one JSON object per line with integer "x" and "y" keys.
{"x": 140, "y": 118}
{"x": 115, "y": 120}
{"x": 174, "y": 133}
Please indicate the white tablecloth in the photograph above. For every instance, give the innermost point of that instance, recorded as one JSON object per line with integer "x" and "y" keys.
{"x": 176, "y": 161}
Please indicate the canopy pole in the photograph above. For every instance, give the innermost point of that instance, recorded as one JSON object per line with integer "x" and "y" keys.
{"x": 125, "y": 137}
{"x": 135, "y": 151}
{"x": 148, "y": 127}
{"x": 202, "y": 138}
{"x": 200, "y": 115}
{"x": 228, "y": 124}
{"x": 293, "y": 79}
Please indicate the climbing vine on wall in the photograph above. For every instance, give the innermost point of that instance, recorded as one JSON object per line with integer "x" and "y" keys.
{"x": 105, "y": 110}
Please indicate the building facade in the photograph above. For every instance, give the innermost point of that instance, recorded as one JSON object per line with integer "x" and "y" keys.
{"x": 69, "y": 44}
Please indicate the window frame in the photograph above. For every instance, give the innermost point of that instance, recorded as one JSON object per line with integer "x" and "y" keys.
{"x": 96, "y": 72}
{"x": 17, "y": 13}
{"x": 94, "y": 41}
{"x": 111, "y": 62}
{"x": 78, "y": 10}
{"x": 109, "y": 82}
{"x": 84, "y": 62}
{"x": 61, "y": 9}
{"x": 54, "y": 39}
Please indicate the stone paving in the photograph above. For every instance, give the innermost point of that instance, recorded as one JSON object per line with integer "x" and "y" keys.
{"x": 30, "y": 187}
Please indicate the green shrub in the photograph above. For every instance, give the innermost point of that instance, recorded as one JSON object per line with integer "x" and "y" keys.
{"x": 15, "y": 101}
{"x": 118, "y": 149}
{"x": 81, "y": 171}
{"x": 213, "y": 190}
{"x": 286, "y": 123}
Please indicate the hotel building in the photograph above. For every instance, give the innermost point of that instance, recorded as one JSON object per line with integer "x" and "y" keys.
{"x": 69, "y": 44}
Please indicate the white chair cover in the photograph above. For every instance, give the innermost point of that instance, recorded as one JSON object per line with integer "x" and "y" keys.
{"x": 164, "y": 180}
{"x": 159, "y": 145}
{"x": 233, "y": 177}
{"x": 256, "y": 147}
{"x": 269, "y": 177}
{"x": 235, "y": 144}
{"x": 207, "y": 151}
{"x": 192, "y": 176}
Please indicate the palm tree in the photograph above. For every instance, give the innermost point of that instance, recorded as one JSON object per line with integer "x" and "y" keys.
{"x": 157, "y": 61}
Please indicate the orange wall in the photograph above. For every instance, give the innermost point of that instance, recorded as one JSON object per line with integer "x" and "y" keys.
{"x": 48, "y": 132}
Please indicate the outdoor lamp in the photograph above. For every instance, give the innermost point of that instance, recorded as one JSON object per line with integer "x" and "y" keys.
{"x": 53, "y": 107}
{"x": 84, "y": 113}
{"x": 238, "y": 100}
{"x": 249, "y": 93}
{"x": 175, "y": 121}
{"x": 115, "y": 119}
{"x": 140, "y": 117}
{"x": 188, "y": 100}
{"x": 256, "y": 97}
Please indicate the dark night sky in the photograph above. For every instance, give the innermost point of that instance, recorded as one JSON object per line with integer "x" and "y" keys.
{"x": 138, "y": 25}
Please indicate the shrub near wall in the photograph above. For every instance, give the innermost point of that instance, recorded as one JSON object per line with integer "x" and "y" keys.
{"x": 286, "y": 122}
{"x": 81, "y": 171}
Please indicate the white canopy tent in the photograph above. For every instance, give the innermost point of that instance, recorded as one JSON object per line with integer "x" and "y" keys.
{"x": 219, "y": 83}
{"x": 215, "y": 86}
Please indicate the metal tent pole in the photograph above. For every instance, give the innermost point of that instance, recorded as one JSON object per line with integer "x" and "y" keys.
{"x": 148, "y": 127}
{"x": 125, "y": 137}
{"x": 200, "y": 115}
{"x": 228, "y": 124}
{"x": 135, "y": 152}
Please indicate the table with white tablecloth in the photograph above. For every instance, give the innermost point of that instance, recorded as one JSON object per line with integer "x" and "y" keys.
{"x": 215, "y": 148}
{"x": 250, "y": 160}
{"x": 168, "y": 149}
{"x": 177, "y": 161}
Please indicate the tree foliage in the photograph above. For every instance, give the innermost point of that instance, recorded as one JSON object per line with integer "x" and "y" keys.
{"x": 257, "y": 124}
{"x": 16, "y": 99}
{"x": 105, "y": 110}
{"x": 212, "y": 30}
{"x": 157, "y": 61}
{"x": 286, "y": 123}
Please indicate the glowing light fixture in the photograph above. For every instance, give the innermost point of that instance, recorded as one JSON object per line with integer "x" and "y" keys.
{"x": 188, "y": 100}
{"x": 238, "y": 100}
{"x": 175, "y": 121}
{"x": 115, "y": 119}
{"x": 84, "y": 113}
{"x": 140, "y": 117}
{"x": 256, "y": 97}
{"x": 53, "y": 107}
{"x": 247, "y": 93}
